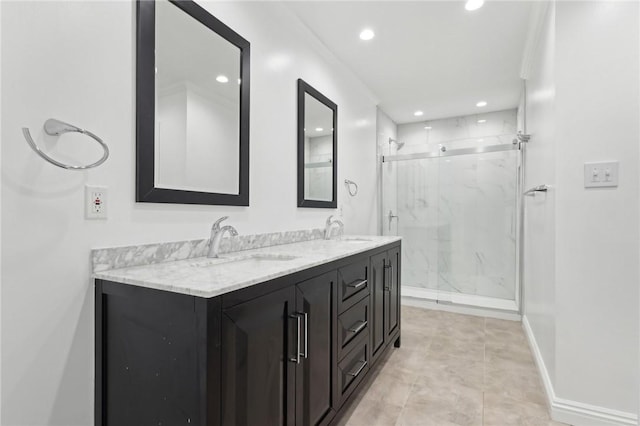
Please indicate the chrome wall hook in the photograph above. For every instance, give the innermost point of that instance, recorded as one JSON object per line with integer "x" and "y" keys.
{"x": 540, "y": 188}
{"x": 352, "y": 187}
{"x": 55, "y": 127}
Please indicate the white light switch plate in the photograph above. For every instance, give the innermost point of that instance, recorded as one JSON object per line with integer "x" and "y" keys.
{"x": 598, "y": 175}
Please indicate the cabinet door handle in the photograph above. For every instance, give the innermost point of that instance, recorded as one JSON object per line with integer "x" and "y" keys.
{"x": 356, "y": 328}
{"x": 296, "y": 359}
{"x": 357, "y": 283}
{"x": 363, "y": 364}
{"x": 306, "y": 335}
{"x": 391, "y": 280}
{"x": 385, "y": 275}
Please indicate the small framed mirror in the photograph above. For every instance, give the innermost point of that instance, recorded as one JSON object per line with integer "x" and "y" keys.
{"x": 192, "y": 107}
{"x": 317, "y": 148}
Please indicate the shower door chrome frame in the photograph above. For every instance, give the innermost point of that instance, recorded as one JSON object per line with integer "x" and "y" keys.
{"x": 450, "y": 153}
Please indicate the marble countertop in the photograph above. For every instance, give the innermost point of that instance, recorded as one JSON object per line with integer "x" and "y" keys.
{"x": 205, "y": 277}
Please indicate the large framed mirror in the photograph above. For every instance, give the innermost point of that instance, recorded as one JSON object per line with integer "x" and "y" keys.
{"x": 317, "y": 148}
{"x": 192, "y": 107}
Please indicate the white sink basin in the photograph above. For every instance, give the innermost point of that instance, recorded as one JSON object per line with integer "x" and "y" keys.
{"x": 354, "y": 240}
{"x": 255, "y": 259}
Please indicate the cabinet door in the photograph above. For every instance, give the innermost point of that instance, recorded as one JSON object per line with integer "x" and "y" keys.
{"x": 258, "y": 376}
{"x": 316, "y": 304}
{"x": 392, "y": 294}
{"x": 378, "y": 273}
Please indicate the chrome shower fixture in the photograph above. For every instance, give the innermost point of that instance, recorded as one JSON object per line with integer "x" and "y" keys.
{"x": 522, "y": 137}
{"x": 398, "y": 144}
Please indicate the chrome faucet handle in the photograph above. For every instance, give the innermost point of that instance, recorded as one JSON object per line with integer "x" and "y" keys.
{"x": 216, "y": 224}
{"x": 329, "y": 220}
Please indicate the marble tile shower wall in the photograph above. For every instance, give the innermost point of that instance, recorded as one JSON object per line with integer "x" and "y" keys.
{"x": 499, "y": 127}
{"x": 458, "y": 214}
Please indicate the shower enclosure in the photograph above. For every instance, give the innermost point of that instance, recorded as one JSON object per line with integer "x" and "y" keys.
{"x": 456, "y": 205}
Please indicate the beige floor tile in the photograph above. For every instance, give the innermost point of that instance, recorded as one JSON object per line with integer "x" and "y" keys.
{"x": 415, "y": 342}
{"x": 455, "y": 370}
{"x": 506, "y": 325}
{"x": 515, "y": 352}
{"x": 390, "y": 388}
{"x": 374, "y": 413}
{"x": 406, "y": 358}
{"x": 503, "y": 411}
{"x": 505, "y": 336}
{"x": 522, "y": 384}
{"x": 434, "y": 404}
{"x": 450, "y": 345}
{"x": 451, "y": 372}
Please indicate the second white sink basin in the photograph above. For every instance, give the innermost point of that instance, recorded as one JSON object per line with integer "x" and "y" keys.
{"x": 252, "y": 258}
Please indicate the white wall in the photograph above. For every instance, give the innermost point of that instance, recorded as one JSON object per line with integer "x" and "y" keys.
{"x": 581, "y": 269}
{"x": 75, "y": 61}
{"x": 597, "y": 113}
{"x": 539, "y": 223}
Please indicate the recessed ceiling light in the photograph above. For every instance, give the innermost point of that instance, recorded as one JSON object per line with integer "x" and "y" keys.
{"x": 473, "y": 4}
{"x": 427, "y": 127}
{"x": 222, "y": 79}
{"x": 482, "y": 121}
{"x": 367, "y": 34}
{"x": 418, "y": 113}
{"x": 480, "y": 140}
{"x": 481, "y": 104}
{"x": 319, "y": 129}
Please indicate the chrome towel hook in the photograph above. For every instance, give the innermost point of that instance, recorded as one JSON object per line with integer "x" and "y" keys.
{"x": 540, "y": 188}
{"x": 55, "y": 127}
{"x": 351, "y": 184}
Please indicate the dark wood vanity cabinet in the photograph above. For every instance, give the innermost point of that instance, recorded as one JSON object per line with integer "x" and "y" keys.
{"x": 258, "y": 380}
{"x": 290, "y": 351}
{"x": 277, "y": 364}
{"x": 385, "y": 300}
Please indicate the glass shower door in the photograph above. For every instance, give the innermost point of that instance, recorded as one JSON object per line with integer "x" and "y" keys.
{"x": 477, "y": 227}
{"x": 417, "y": 223}
{"x": 456, "y": 211}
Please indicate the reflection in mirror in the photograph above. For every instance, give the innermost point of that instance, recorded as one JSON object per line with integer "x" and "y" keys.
{"x": 317, "y": 143}
{"x": 192, "y": 107}
{"x": 197, "y": 105}
{"x": 318, "y": 150}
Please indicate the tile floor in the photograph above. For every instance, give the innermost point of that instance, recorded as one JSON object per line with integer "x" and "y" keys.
{"x": 454, "y": 369}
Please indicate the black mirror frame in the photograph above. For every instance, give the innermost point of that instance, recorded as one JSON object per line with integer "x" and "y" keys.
{"x": 145, "y": 106}
{"x": 304, "y": 88}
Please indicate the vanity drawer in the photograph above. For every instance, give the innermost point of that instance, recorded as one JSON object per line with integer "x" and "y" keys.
{"x": 352, "y": 283}
{"x": 353, "y": 368}
{"x": 352, "y": 323}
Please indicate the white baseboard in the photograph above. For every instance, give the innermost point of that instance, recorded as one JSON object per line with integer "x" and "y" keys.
{"x": 574, "y": 412}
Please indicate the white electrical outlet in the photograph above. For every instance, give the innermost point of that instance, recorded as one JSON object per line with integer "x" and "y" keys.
{"x": 95, "y": 201}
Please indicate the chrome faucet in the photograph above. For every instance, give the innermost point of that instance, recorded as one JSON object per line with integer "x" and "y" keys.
{"x": 329, "y": 227}
{"x": 216, "y": 236}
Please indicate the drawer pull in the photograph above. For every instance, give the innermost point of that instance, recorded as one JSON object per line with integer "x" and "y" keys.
{"x": 363, "y": 364}
{"x": 356, "y": 328}
{"x": 357, "y": 284}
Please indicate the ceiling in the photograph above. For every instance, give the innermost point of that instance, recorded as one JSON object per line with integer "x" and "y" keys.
{"x": 432, "y": 56}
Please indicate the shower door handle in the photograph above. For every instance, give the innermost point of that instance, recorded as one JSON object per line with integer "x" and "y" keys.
{"x": 391, "y": 216}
